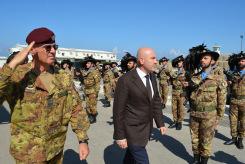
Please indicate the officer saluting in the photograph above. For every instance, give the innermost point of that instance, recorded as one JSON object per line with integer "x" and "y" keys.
{"x": 208, "y": 100}
{"x": 237, "y": 107}
{"x": 43, "y": 101}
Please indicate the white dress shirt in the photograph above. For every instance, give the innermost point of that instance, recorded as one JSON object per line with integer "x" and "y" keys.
{"x": 143, "y": 78}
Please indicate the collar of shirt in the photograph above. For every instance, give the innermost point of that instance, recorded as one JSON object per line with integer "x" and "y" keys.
{"x": 242, "y": 72}
{"x": 143, "y": 78}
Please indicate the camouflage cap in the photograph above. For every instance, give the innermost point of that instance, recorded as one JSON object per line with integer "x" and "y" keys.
{"x": 41, "y": 35}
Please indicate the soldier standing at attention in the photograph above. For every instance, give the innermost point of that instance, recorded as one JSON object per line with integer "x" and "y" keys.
{"x": 98, "y": 74}
{"x": 178, "y": 76}
{"x": 108, "y": 80}
{"x": 116, "y": 73}
{"x": 164, "y": 80}
{"x": 208, "y": 104}
{"x": 43, "y": 101}
{"x": 237, "y": 107}
{"x": 91, "y": 80}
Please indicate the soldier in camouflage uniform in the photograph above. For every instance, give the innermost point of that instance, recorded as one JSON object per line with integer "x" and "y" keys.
{"x": 43, "y": 101}
{"x": 237, "y": 107}
{"x": 98, "y": 74}
{"x": 108, "y": 80}
{"x": 164, "y": 80}
{"x": 116, "y": 73}
{"x": 178, "y": 77}
{"x": 91, "y": 80}
{"x": 208, "y": 100}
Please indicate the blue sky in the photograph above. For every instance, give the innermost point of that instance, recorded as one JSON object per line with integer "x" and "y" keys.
{"x": 171, "y": 27}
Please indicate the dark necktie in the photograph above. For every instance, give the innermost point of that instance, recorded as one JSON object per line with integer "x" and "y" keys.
{"x": 148, "y": 86}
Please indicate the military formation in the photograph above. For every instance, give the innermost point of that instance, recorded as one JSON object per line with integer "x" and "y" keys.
{"x": 43, "y": 98}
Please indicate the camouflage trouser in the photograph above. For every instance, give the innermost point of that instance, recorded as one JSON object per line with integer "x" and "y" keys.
{"x": 202, "y": 133}
{"x": 237, "y": 120}
{"x": 91, "y": 103}
{"x": 58, "y": 159}
{"x": 178, "y": 107}
{"x": 164, "y": 93}
{"x": 108, "y": 91}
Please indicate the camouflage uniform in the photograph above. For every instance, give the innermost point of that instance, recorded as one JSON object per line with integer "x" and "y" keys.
{"x": 41, "y": 108}
{"x": 237, "y": 108}
{"x": 98, "y": 75}
{"x": 164, "y": 83}
{"x": 117, "y": 74}
{"x": 91, "y": 80}
{"x": 178, "y": 94}
{"x": 208, "y": 105}
{"x": 108, "y": 80}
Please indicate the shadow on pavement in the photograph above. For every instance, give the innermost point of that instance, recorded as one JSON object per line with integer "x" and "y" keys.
{"x": 221, "y": 137}
{"x": 113, "y": 154}
{"x": 173, "y": 145}
{"x": 4, "y": 115}
{"x": 223, "y": 157}
{"x": 72, "y": 157}
{"x": 167, "y": 120}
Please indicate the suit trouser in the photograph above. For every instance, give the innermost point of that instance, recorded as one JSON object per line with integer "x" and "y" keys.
{"x": 136, "y": 155}
{"x": 58, "y": 159}
{"x": 237, "y": 119}
{"x": 202, "y": 133}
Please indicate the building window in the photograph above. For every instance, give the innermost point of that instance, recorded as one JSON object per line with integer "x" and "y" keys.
{"x": 63, "y": 54}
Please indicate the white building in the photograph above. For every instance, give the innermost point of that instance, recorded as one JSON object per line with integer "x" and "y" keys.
{"x": 2, "y": 61}
{"x": 76, "y": 54}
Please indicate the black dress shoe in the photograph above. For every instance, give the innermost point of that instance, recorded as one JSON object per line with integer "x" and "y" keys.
{"x": 172, "y": 125}
{"x": 231, "y": 141}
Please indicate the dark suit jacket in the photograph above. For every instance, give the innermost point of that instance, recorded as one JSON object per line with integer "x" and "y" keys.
{"x": 133, "y": 110}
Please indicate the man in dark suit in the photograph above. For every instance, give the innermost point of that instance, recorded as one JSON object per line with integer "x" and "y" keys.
{"x": 136, "y": 103}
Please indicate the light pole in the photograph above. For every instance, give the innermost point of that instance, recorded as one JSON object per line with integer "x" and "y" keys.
{"x": 241, "y": 36}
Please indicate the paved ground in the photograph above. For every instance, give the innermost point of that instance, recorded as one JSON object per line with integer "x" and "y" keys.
{"x": 173, "y": 148}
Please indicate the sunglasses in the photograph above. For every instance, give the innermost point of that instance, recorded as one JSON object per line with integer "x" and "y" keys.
{"x": 48, "y": 47}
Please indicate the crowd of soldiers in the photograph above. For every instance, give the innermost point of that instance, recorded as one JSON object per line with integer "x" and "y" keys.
{"x": 196, "y": 79}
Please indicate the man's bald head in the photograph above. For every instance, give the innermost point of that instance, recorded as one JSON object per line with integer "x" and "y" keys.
{"x": 143, "y": 52}
{"x": 146, "y": 59}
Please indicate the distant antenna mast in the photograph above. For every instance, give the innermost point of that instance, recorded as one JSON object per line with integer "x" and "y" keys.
{"x": 241, "y": 36}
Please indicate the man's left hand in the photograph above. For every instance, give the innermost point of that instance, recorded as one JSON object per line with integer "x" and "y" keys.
{"x": 163, "y": 130}
{"x": 83, "y": 151}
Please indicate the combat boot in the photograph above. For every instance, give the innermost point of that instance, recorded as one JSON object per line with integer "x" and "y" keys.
{"x": 232, "y": 141}
{"x": 172, "y": 125}
{"x": 91, "y": 119}
{"x": 107, "y": 104}
{"x": 239, "y": 143}
{"x": 179, "y": 126}
{"x": 204, "y": 160}
{"x": 196, "y": 159}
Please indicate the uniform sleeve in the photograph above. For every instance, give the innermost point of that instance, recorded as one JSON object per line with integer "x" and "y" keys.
{"x": 79, "y": 118}
{"x": 221, "y": 96}
{"x": 5, "y": 76}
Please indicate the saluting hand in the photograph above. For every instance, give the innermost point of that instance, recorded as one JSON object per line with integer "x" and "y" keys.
{"x": 21, "y": 56}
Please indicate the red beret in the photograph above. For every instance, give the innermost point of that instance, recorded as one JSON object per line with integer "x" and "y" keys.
{"x": 41, "y": 35}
